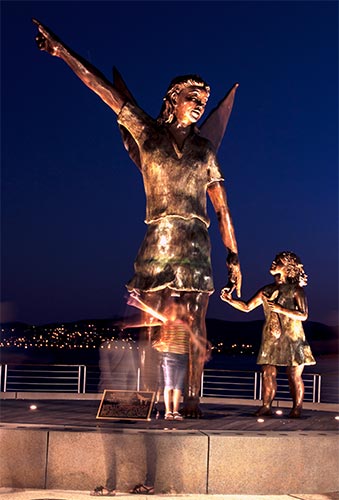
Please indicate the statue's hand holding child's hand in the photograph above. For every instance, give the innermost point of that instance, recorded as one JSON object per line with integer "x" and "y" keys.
{"x": 225, "y": 294}
{"x": 234, "y": 274}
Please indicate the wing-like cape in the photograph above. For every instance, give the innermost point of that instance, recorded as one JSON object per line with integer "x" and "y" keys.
{"x": 215, "y": 124}
{"x": 127, "y": 139}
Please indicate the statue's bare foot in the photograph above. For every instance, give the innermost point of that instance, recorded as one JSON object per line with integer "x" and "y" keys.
{"x": 191, "y": 408}
{"x": 264, "y": 411}
{"x": 295, "y": 413}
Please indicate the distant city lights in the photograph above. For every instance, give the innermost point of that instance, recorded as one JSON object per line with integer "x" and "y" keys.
{"x": 90, "y": 336}
{"x": 60, "y": 337}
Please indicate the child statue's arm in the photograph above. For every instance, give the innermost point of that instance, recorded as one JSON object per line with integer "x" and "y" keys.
{"x": 241, "y": 305}
{"x": 301, "y": 309}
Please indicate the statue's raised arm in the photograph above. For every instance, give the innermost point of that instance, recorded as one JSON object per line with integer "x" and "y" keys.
{"x": 90, "y": 76}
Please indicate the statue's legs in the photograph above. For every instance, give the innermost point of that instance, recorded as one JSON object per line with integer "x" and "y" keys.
{"x": 297, "y": 389}
{"x": 269, "y": 389}
{"x": 196, "y": 304}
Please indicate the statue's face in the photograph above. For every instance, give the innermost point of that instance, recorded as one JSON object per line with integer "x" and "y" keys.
{"x": 277, "y": 266}
{"x": 189, "y": 105}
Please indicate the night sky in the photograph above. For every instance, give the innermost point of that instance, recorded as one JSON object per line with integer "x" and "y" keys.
{"x": 73, "y": 202}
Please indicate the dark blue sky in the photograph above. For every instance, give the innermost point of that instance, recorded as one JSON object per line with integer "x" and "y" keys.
{"x": 72, "y": 201}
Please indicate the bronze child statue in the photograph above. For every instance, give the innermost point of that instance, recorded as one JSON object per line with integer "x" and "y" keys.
{"x": 283, "y": 338}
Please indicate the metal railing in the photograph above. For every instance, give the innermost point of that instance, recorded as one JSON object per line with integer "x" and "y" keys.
{"x": 229, "y": 384}
{"x": 79, "y": 379}
{"x": 248, "y": 385}
{"x": 42, "y": 378}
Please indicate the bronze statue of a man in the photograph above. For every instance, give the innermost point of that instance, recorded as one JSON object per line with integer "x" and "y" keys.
{"x": 178, "y": 167}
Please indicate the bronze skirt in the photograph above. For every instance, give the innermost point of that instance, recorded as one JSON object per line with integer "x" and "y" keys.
{"x": 175, "y": 253}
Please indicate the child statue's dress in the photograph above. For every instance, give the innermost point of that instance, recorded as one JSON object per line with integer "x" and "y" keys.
{"x": 283, "y": 338}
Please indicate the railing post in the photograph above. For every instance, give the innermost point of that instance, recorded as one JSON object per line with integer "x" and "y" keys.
{"x": 255, "y": 384}
{"x": 79, "y": 379}
{"x": 314, "y": 387}
{"x": 138, "y": 380}
{"x": 5, "y": 378}
{"x": 319, "y": 388}
{"x": 202, "y": 384}
{"x": 84, "y": 379}
{"x": 260, "y": 386}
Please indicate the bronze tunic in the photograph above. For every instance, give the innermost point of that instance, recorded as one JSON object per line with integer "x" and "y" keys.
{"x": 175, "y": 252}
{"x": 283, "y": 338}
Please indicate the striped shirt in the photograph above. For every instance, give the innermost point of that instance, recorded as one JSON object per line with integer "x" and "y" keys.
{"x": 176, "y": 336}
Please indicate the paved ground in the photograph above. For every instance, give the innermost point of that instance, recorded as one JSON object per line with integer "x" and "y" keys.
{"x": 82, "y": 414}
{"x": 29, "y": 494}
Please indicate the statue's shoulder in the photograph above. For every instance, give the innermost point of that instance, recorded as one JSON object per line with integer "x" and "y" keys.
{"x": 133, "y": 110}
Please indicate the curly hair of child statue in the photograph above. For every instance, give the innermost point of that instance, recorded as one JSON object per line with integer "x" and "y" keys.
{"x": 283, "y": 339}
{"x": 295, "y": 272}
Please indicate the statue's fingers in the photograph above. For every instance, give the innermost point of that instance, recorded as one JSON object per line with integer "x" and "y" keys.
{"x": 42, "y": 29}
{"x": 44, "y": 32}
{"x": 38, "y": 41}
{"x": 41, "y": 42}
{"x": 228, "y": 289}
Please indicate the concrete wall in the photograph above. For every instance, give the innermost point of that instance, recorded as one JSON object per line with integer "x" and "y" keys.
{"x": 23, "y": 455}
{"x": 273, "y": 463}
{"x": 181, "y": 461}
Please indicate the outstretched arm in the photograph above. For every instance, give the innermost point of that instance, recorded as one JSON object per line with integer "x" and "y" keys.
{"x": 96, "y": 81}
{"x": 240, "y": 304}
{"x": 218, "y": 198}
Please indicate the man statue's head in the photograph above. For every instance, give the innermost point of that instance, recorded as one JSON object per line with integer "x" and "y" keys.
{"x": 195, "y": 90}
